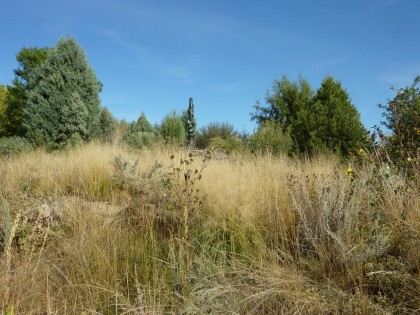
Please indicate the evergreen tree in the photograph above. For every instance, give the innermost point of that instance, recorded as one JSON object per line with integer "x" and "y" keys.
{"x": 107, "y": 125}
{"x": 143, "y": 125}
{"x": 123, "y": 126}
{"x": 140, "y": 133}
{"x": 172, "y": 129}
{"x": 324, "y": 121}
{"x": 63, "y": 84}
{"x": 333, "y": 121}
{"x": 29, "y": 59}
{"x": 72, "y": 120}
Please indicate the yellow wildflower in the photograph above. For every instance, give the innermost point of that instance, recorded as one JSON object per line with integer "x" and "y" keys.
{"x": 349, "y": 172}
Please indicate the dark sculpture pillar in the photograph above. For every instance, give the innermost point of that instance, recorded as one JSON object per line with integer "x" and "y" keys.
{"x": 190, "y": 125}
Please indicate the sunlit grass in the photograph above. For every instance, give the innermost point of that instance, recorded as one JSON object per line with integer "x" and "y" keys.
{"x": 255, "y": 235}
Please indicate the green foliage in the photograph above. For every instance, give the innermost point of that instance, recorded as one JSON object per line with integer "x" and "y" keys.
{"x": 63, "y": 97}
{"x": 72, "y": 120}
{"x": 143, "y": 124}
{"x": 129, "y": 174}
{"x": 140, "y": 133}
{"x": 288, "y": 106}
{"x": 229, "y": 145}
{"x": 222, "y": 130}
{"x": 10, "y": 310}
{"x": 3, "y": 95}
{"x": 140, "y": 139}
{"x": 107, "y": 126}
{"x": 402, "y": 118}
{"x": 270, "y": 138}
{"x": 333, "y": 122}
{"x": 323, "y": 121}
{"x": 14, "y": 145}
{"x": 172, "y": 129}
{"x": 123, "y": 126}
{"x": 29, "y": 60}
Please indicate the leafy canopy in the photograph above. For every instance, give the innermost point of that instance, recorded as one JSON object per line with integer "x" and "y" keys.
{"x": 402, "y": 118}
{"x": 3, "y": 96}
{"x": 288, "y": 106}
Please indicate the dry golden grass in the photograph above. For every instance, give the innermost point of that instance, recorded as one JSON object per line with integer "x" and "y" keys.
{"x": 103, "y": 230}
{"x": 84, "y": 170}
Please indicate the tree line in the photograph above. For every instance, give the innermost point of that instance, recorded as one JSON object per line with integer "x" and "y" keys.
{"x": 54, "y": 102}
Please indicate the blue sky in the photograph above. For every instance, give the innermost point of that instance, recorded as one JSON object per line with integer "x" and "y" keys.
{"x": 152, "y": 56}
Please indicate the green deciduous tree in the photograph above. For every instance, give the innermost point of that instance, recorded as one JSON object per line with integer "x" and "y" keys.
{"x": 29, "y": 59}
{"x": 3, "y": 95}
{"x": 402, "y": 118}
{"x": 288, "y": 106}
{"x": 333, "y": 121}
{"x": 63, "y": 91}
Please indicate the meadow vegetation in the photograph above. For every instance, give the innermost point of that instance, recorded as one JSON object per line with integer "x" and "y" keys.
{"x": 309, "y": 214}
{"x": 103, "y": 229}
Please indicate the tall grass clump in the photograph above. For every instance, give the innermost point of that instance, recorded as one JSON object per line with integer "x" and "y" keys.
{"x": 84, "y": 170}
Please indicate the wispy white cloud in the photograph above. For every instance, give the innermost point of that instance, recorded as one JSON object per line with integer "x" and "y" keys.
{"x": 328, "y": 63}
{"x": 388, "y": 3}
{"x": 223, "y": 87}
{"x": 177, "y": 71}
{"x": 190, "y": 21}
{"x": 402, "y": 75}
{"x": 183, "y": 72}
{"x": 210, "y": 25}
